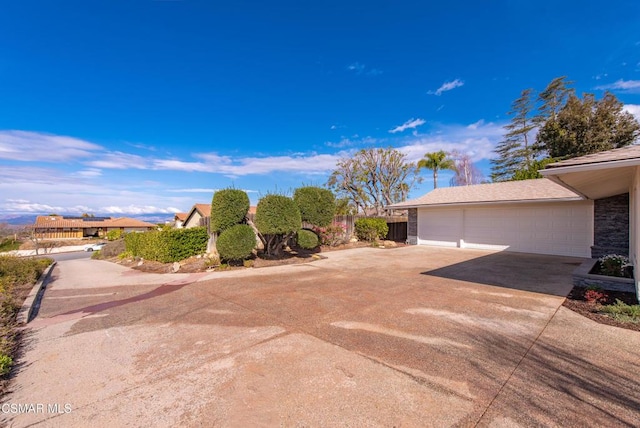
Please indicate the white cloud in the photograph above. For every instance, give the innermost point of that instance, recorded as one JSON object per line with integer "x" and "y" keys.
{"x": 360, "y": 68}
{"x": 409, "y": 124}
{"x": 447, "y": 86}
{"x": 89, "y": 173}
{"x": 478, "y": 140}
{"x": 137, "y": 209}
{"x": 357, "y": 67}
{"x": 120, "y": 160}
{"x": 631, "y": 86}
{"x": 634, "y": 109}
{"x": 36, "y": 146}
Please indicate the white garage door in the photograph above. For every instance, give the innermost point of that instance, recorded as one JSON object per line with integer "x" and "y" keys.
{"x": 562, "y": 229}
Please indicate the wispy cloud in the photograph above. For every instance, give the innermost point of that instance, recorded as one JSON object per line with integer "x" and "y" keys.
{"x": 31, "y": 146}
{"x": 409, "y": 124}
{"x": 120, "y": 160}
{"x": 477, "y": 139}
{"x": 447, "y": 86}
{"x": 630, "y": 86}
{"x": 634, "y": 109}
{"x": 359, "y": 68}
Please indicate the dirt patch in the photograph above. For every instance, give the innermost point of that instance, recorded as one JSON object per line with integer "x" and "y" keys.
{"x": 46, "y": 243}
{"x": 577, "y": 302}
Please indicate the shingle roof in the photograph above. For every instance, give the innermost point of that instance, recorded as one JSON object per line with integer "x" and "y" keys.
{"x": 60, "y": 221}
{"x": 624, "y": 153}
{"x": 181, "y": 216}
{"x": 539, "y": 190}
{"x": 205, "y": 209}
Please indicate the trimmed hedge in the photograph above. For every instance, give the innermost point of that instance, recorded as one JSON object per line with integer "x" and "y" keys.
{"x": 307, "y": 239}
{"x": 114, "y": 234}
{"x": 277, "y": 215}
{"x": 167, "y": 246}
{"x": 371, "y": 228}
{"x": 228, "y": 208}
{"x": 317, "y": 205}
{"x": 236, "y": 243}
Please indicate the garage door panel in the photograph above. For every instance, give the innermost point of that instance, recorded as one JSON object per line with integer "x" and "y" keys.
{"x": 440, "y": 227}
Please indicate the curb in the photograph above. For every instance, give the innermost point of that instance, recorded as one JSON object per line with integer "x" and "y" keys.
{"x": 32, "y": 302}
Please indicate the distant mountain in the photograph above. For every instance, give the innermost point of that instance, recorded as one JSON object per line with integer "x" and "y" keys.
{"x": 18, "y": 219}
{"x": 25, "y": 219}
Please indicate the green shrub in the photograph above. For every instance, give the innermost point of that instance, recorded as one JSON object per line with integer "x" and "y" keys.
{"x": 9, "y": 244}
{"x": 277, "y": 214}
{"x": 228, "y": 208}
{"x": 614, "y": 265}
{"x": 317, "y": 205}
{"x": 307, "y": 239}
{"x": 5, "y": 364}
{"x": 126, "y": 255}
{"x": 277, "y": 219}
{"x": 371, "y": 229}
{"x": 114, "y": 234}
{"x": 236, "y": 243}
{"x": 166, "y": 246}
{"x": 16, "y": 271}
{"x": 622, "y": 311}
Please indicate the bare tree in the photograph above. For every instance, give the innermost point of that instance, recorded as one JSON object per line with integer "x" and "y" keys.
{"x": 466, "y": 173}
{"x": 374, "y": 178}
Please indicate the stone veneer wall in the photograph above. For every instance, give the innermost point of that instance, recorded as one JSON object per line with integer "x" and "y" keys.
{"x": 412, "y": 227}
{"x": 611, "y": 226}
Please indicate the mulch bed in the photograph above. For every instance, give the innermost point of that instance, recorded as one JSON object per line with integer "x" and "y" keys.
{"x": 577, "y": 303}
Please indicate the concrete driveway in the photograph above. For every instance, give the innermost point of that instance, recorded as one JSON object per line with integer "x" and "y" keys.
{"x": 415, "y": 336}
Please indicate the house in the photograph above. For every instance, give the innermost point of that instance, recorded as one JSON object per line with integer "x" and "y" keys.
{"x": 611, "y": 180}
{"x": 532, "y": 216}
{"x": 200, "y": 214}
{"x": 63, "y": 227}
{"x": 195, "y": 217}
{"x": 179, "y": 219}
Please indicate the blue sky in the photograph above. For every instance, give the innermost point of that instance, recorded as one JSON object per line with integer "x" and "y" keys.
{"x": 133, "y": 107}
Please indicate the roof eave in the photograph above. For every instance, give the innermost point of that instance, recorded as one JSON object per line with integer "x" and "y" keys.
{"x": 550, "y": 171}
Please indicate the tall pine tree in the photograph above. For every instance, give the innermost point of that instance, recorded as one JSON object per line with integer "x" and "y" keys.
{"x": 516, "y": 152}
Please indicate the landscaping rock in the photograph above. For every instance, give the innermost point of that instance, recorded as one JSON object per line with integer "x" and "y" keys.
{"x": 176, "y": 267}
{"x": 389, "y": 244}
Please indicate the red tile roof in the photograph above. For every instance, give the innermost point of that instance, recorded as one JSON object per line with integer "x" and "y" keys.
{"x": 43, "y": 221}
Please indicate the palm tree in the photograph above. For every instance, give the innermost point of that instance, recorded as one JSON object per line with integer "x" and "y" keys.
{"x": 436, "y": 161}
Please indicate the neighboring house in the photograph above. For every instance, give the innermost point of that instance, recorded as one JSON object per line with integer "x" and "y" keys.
{"x": 197, "y": 214}
{"x": 532, "y": 216}
{"x": 179, "y": 219}
{"x": 611, "y": 180}
{"x": 60, "y": 227}
{"x": 200, "y": 214}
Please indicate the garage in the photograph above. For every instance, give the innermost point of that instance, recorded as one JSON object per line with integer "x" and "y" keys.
{"x": 531, "y": 216}
{"x": 561, "y": 229}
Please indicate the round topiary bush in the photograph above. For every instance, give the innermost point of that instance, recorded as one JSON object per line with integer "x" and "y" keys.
{"x": 317, "y": 205}
{"x": 277, "y": 215}
{"x": 228, "y": 208}
{"x": 370, "y": 228}
{"x": 307, "y": 239}
{"x": 236, "y": 243}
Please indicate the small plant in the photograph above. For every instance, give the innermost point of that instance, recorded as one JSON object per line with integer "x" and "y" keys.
{"x": 371, "y": 229}
{"x": 622, "y": 311}
{"x": 247, "y": 263}
{"x": 614, "y": 265}
{"x": 595, "y": 294}
{"x": 96, "y": 255}
{"x": 5, "y": 364}
{"x": 307, "y": 239}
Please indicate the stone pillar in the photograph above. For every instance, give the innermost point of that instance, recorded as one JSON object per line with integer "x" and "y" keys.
{"x": 611, "y": 226}
{"x": 412, "y": 227}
